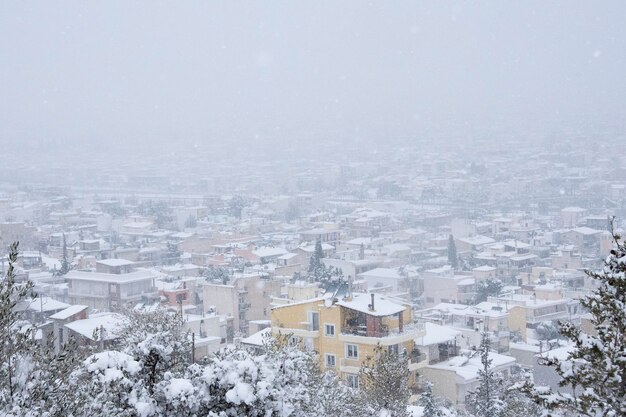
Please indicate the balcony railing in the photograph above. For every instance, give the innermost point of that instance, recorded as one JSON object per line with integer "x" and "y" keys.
{"x": 384, "y": 331}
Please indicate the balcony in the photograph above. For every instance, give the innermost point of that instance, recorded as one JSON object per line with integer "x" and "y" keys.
{"x": 417, "y": 360}
{"x": 302, "y": 329}
{"x": 352, "y": 366}
{"x": 383, "y": 335}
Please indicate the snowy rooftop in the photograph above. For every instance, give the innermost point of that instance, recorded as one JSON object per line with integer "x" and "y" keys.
{"x": 389, "y": 273}
{"x": 311, "y": 248}
{"x": 140, "y": 275}
{"x": 42, "y": 305}
{"x": 258, "y": 338}
{"x": 467, "y": 368}
{"x": 484, "y": 268}
{"x": 112, "y": 324}
{"x": 436, "y": 334}
{"x": 383, "y": 306}
{"x": 269, "y": 251}
{"x": 476, "y": 240}
{"x": 68, "y": 312}
{"x": 115, "y": 262}
{"x": 588, "y": 231}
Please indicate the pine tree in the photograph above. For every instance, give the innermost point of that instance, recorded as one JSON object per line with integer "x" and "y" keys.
{"x": 595, "y": 369}
{"x": 427, "y": 400}
{"x": 452, "y": 255}
{"x": 384, "y": 378}
{"x": 65, "y": 265}
{"x": 315, "y": 263}
{"x": 486, "y": 400}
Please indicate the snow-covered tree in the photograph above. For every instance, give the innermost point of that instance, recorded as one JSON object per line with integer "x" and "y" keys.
{"x": 547, "y": 331}
{"x": 315, "y": 262}
{"x": 217, "y": 274}
{"x": 157, "y": 341}
{"x": 427, "y": 400}
{"x": 16, "y": 341}
{"x": 486, "y": 400}
{"x": 110, "y": 385}
{"x": 594, "y": 371}
{"x": 34, "y": 379}
{"x": 238, "y": 383}
{"x": 331, "y": 397}
{"x": 452, "y": 255}
{"x": 487, "y": 288}
{"x": 384, "y": 381}
{"x": 65, "y": 264}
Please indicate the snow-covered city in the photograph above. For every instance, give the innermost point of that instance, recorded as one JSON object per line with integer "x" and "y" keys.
{"x": 310, "y": 209}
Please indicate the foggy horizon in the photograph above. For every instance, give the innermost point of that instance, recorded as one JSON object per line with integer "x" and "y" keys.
{"x": 248, "y": 74}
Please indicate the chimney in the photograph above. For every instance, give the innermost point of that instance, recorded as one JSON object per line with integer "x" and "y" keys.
{"x": 372, "y": 305}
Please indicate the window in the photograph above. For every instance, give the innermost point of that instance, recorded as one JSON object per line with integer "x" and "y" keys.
{"x": 314, "y": 320}
{"x": 394, "y": 349}
{"x": 353, "y": 381}
{"x": 330, "y": 361}
{"x": 352, "y": 351}
{"x": 329, "y": 330}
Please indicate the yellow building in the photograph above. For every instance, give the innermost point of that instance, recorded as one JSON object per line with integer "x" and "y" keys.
{"x": 344, "y": 332}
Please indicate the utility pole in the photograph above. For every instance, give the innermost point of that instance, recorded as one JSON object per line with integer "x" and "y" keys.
{"x": 193, "y": 347}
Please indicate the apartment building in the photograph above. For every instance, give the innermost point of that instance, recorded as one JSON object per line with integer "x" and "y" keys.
{"x": 245, "y": 298}
{"x": 110, "y": 291}
{"x": 346, "y": 331}
{"x": 442, "y": 285}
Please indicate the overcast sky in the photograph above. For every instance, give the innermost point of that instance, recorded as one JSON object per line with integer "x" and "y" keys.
{"x": 131, "y": 71}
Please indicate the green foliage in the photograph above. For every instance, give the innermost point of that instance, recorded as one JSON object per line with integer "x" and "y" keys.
{"x": 217, "y": 274}
{"x": 65, "y": 265}
{"x": 548, "y": 331}
{"x": 453, "y": 258}
{"x": 487, "y": 288}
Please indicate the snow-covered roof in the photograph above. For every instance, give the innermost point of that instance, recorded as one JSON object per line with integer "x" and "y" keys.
{"x": 573, "y": 210}
{"x": 587, "y": 231}
{"x": 476, "y": 240}
{"x": 258, "y": 338}
{"x": 269, "y": 251}
{"x": 523, "y": 257}
{"x": 484, "y": 268}
{"x": 383, "y": 306}
{"x": 287, "y": 256}
{"x": 467, "y": 368}
{"x": 68, "y": 312}
{"x": 42, "y": 305}
{"x": 436, "y": 334}
{"x": 138, "y": 225}
{"x": 140, "y": 275}
{"x": 115, "y": 262}
{"x": 112, "y": 324}
{"x": 389, "y": 273}
{"x": 311, "y": 248}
